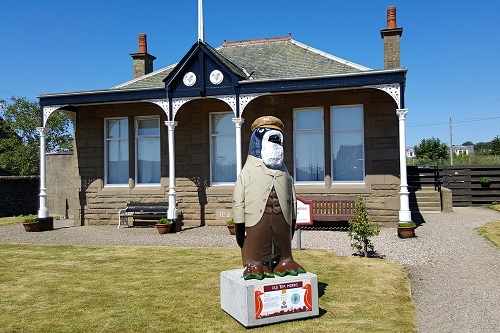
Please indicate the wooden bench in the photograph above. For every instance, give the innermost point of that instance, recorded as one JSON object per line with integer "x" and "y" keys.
{"x": 142, "y": 213}
{"x": 332, "y": 208}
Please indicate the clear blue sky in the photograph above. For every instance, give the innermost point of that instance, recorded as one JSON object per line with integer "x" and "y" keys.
{"x": 450, "y": 48}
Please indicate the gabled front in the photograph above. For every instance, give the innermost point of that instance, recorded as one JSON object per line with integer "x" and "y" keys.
{"x": 203, "y": 72}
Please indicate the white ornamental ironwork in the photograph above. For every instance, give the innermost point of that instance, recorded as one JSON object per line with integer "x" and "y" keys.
{"x": 245, "y": 99}
{"x": 394, "y": 90}
{"x": 178, "y": 102}
{"x": 48, "y": 110}
{"x": 229, "y": 100}
{"x": 163, "y": 103}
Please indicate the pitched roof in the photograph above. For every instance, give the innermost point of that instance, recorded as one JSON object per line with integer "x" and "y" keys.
{"x": 267, "y": 58}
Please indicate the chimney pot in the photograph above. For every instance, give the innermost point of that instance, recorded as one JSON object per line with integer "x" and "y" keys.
{"x": 391, "y": 17}
{"x": 143, "y": 44}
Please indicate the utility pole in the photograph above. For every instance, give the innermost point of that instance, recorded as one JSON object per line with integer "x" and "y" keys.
{"x": 451, "y": 144}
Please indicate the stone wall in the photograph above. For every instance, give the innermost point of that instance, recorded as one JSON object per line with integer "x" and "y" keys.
{"x": 19, "y": 195}
{"x": 203, "y": 204}
{"x": 62, "y": 185}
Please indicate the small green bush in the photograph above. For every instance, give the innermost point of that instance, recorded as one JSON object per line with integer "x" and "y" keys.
{"x": 406, "y": 224}
{"x": 29, "y": 219}
{"x": 361, "y": 229}
{"x": 164, "y": 220}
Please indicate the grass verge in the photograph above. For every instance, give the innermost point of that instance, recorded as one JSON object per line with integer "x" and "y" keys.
{"x": 491, "y": 231}
{"x": 14, "y": 219}
{"x": 59, "y": 288}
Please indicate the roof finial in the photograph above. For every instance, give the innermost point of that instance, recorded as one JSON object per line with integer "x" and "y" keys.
{"x": 201, "y": 29}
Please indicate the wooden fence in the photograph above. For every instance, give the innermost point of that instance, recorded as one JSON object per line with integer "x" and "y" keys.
{"x": 463, "y": 180}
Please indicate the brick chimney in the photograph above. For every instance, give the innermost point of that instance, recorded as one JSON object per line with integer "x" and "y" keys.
{"x": 143, "y": 61}
{"x": 391, "y": 36}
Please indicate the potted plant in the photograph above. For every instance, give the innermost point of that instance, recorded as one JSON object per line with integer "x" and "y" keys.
{"x": 230, "y": 226}
{"x": 406, "y": 229}
{"x": 31, "y": 224}
{"x": 485, "y": 181}
{"x": 163, "y": 225}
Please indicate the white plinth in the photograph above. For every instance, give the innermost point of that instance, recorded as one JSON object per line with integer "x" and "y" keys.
{"x": 278, "y": 299}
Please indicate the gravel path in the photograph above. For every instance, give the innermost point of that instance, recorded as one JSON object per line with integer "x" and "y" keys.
{"x": 455, "y": 273}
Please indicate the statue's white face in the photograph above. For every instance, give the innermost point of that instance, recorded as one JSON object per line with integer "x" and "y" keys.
{"x": 272, "y": 149}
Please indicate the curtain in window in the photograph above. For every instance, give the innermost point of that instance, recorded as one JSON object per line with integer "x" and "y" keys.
{"x": 223, "y": 148}
{"x": 309, "y": 147}
{"x": 117, "y": 151}
{"x": 148, "y": 151}
{"x": 347, "y": 143}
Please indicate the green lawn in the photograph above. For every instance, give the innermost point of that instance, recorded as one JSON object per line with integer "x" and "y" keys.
{"x": 14, "y": 219}
{"x": 56, "y": 288}
{"x": 491, "y": 230}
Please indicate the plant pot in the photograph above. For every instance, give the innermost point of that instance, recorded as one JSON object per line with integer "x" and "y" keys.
{"x": 163, "y": 228}
{"x": 31, "y": 226}
{"x": 485, "y": 184}
{"x": 406, "y": 232}
{"x": 231, "y": 229}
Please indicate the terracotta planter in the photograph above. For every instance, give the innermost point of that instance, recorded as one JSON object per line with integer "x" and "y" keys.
{"x": 406, "y": 232}
{"x": 31, "y": 226}
{"x": 163, "y": 228}
{"x": 231, "y": 229}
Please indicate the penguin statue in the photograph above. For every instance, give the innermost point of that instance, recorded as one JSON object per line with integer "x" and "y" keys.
{"x": 264, "y": 205}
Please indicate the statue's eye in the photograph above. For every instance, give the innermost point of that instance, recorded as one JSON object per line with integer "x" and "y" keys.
{"x": 262, "y": 130}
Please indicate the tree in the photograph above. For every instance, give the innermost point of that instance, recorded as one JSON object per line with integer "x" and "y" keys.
{"x": 20, "y": 146}
{"x": 468, "y": 143}
{"x": 431, "y": 149}
{"x": 361, "y": 229}
{"x": 495, "y": 146}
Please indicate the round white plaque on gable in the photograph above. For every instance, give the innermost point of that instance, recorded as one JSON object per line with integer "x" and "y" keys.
{"x": 216, "y": 77}
{"x": 189, "y": 79}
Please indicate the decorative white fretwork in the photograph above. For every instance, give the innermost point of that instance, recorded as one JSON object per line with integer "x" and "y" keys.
{"x": 392, "y": 89}
{"x": 178, "y": 102}
{"x": 229, "y": 100}
{"x": 48, "y": 110}
{"x": 163, "y": 103}
{"x": 245, "y": 99}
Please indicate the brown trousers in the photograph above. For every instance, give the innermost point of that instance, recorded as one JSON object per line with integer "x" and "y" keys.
{"x": 272, "y": 229}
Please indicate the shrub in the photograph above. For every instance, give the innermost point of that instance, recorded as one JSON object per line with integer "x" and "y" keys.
{"x": 361, "y": 229}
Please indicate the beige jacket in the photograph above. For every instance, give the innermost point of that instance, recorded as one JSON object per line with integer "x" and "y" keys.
{"x": 252, "y": 189}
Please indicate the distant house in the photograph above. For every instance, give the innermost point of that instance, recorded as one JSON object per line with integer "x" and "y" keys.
{"x": 463, "y": 150}
{"x": 181, "y": 133}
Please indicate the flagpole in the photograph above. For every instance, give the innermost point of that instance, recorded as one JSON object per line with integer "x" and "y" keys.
{"x": 201, "y": 33}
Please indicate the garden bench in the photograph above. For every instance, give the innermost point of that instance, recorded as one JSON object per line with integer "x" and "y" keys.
{"x": 142, "y": 213}
{"x": 332, "y": 208}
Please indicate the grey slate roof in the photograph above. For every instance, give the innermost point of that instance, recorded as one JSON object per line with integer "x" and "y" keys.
{"x": 267, "y": 58}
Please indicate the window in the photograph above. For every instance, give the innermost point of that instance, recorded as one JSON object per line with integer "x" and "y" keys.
{"x": 222, "y": 148}
{"x": 309, "y": 145}
{"x": 347, "y": 144}
{"x": 116, "y": 151}
{"x": 147, "y": 150}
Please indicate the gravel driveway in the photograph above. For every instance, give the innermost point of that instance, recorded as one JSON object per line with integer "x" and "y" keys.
{"x": 455, "y": 273}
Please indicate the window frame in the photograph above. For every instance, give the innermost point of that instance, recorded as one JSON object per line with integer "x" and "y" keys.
{"x": 136, "y": 149}
{"x": 106, "y": 152}
{"x": 212, "y": 182}
{"x": 362, "y": 130}
{"x": 295, "y": 131}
